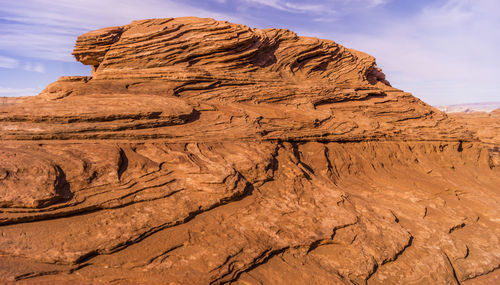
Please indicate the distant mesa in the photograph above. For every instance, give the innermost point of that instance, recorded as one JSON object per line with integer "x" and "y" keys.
{"x": 472, "y": 107}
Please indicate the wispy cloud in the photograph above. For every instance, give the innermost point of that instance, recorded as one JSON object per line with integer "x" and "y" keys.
{"x": 17, "y": 92}
{"x": 374, "y": 3}
{"x": 47, "y": 29}
{"x": 7, "y": 62}
{"x": 444, "y": 52}
{"x": 294, "y": 6}
{"x": 317, "y": 6}
{"x": 35, "y": 67}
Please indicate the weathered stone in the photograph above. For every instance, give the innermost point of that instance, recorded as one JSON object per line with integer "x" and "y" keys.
{"x": 205, "y": 152}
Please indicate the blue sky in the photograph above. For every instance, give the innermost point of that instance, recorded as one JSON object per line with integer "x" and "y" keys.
{"x": 442, "y": 51}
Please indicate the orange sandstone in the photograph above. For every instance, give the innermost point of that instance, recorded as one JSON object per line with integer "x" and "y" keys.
{"x": 205, "y": 152}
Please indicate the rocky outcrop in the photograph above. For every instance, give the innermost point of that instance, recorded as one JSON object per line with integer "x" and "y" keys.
{"x": 205, "y": 152}
{"x": 486, "y": 126}
{"x": 243, "y": 83}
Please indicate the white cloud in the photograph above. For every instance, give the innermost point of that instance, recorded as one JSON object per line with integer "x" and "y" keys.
{"x": 35, "y": 67}
{"x": 446, "y": 53}
{"x": 293, "y": 7}
{"x": 7, "y": 62}
{"x": 17, "y": 92}
{"x": 308, "y": 8}
{"x": 374, "y": 3}
{"x": 270, "y": 3}
{"x": 47, "y": 29}
{"x": 329, "y": 19}
{"x": 317, "y": 7}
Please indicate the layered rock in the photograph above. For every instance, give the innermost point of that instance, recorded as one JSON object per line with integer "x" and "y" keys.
{"x": 205, "y": 152}
{"x": 259, "y": 84}
{"x": 486, "y": 126}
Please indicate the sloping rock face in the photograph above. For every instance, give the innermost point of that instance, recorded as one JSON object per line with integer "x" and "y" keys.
{"x": 205, "y": 152}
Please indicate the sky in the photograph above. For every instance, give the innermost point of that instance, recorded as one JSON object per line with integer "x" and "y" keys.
{"x": 442, "y": 51}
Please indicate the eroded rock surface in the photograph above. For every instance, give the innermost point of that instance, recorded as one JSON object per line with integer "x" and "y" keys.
{"x": 205, "y": 152}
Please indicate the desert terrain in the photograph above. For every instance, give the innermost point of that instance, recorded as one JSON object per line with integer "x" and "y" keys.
{"x": 207, "y": 152}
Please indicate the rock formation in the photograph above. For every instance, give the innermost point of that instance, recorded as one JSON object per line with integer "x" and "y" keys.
{"x": 205, "y": 152}
{"x": 485, "y": 124}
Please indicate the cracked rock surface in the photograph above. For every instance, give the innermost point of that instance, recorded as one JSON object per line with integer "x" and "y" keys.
{"x": 205, "y": 152}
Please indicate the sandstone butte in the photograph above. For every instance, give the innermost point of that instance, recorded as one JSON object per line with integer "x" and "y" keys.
{"x": 205, "y": 152}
